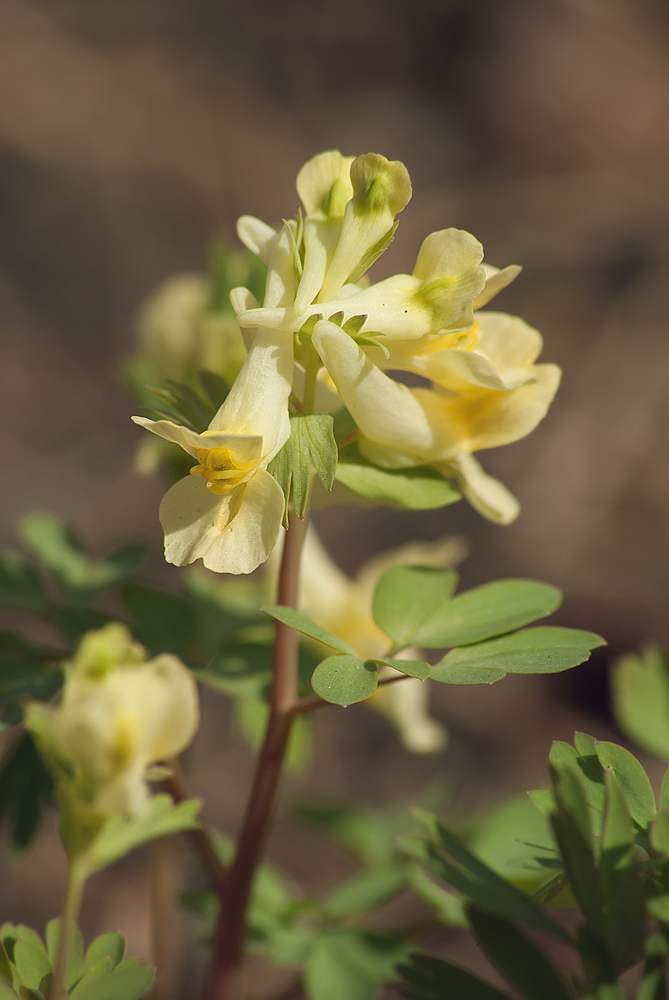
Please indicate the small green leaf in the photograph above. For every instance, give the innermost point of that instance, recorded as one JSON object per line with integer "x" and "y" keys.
{"x": 633, "y": 781}
{"x": 434, "y": 979}
{"x": 25, "y": 789}
{"x": 408, "y": 597}
{"x": 128, "y": 981}
{"x": 311, "y": 442}
{"x": 344, "y": 680}
{"x": 640, "y": 694}
{"x": 590, "y": 774}
{"x": 32, "y": 963}
{"x": 420, "y": 488}
{"x": 364, "y": 891}
{"x": 111, "y": 946}
{"x": 488, "y": 611}
{"x": 447, "y": 907}
{"x": 450, "y": 673}
{"x": 119, "y": 836}
{"x": 653, "y": 984}
{"x": 412, "y": 668}
{"x": 664, "y": 791}
{"x": 20, "y": 584}
{"x": 621, "y": 881}
{"x": 305, "y": 625}
{"x": 544, "y": 650}
{"x": 517, "y": 958}
{"x": 543, "y": 800}
{"x": 573, "y": 832}
{"x": 76, "y": 961}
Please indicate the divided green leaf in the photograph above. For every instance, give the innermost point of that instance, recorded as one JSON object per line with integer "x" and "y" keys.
{"x": 311, "y": 442}
{"x": 420, "y": 488}
{"x": 305, "y": 625}
{"x": 640, "y": 692}
{"x": 119, "y": 836}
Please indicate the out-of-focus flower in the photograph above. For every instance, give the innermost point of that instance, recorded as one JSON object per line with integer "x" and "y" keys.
{"x": 441, "y": 426}
{"x": 228, "y": 512}
{"x": 344, "y": 606}
{"x": 119, "y": 713}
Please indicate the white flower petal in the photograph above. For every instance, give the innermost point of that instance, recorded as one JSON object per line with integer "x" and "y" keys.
{"x": 241, "y": 300}
{"x": 509, "y": 342}
{"x": 495, "y": 281}
{"x": 257, "y": 236}
{"x": 451, "y": 278}
{"x": 258, "y": 401}
{"x": 485, "y": 493}
{"x": 384, "y": 410}
{"x": 317, "y": 178}
{"x": 233, "y": 533}
{"x": 281, "y": 275}
{"x": 247, "y": 447}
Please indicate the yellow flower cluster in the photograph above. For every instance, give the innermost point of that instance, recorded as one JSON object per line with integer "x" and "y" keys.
{"x": 483, "y": 390}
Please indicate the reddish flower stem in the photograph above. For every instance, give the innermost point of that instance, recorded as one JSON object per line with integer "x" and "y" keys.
{"x": 225, "y": 978}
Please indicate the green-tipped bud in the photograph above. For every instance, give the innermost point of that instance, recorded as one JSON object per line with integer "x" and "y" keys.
{"x": 381, "y": 189}
{"x": 106, "y": 649}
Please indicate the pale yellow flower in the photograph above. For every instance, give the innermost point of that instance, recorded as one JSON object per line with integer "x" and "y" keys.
{"x": 228, "y": 512}
{"x": 119, "y": 713}
{"x": 440, "y": 426}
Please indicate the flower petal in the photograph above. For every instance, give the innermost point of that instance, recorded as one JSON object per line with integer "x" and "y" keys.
{"x": 451, "y": 278}
{"x": 257, "y": 236}
{"x": 258, "y": 401}
{"x": 316, "y": 180}
{"x": 242, "y": 299}
{"x": 485, "y": 493}
{"x": 509, "y": 342}
{"x": 234, "y": 533}
{"x": 247, "y": 447}
{"x": 495, "y": 281}
{"x": 385, "y": 411}
{"x": 281, "y": 275}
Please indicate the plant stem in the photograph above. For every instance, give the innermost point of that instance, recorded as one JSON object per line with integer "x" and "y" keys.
{"x": 68, "y": 919}
{"x": 310, "y": 376}
{"x": 225, "y": 975}
{"x": 166, "y": 939}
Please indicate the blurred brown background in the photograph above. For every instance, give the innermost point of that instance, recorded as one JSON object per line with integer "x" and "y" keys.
{"x": 133, "y": 130}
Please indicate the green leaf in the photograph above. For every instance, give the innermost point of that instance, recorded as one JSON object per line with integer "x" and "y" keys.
{"x": 75, "y": 966}
{"x": 344, "y": 680}
{"x": 412, "y": 668}
{"x": 517, "y": 958}
{"x": 364, "y": 891}
{"x": 98, "y": 971}
{"x": 32, "y": 963}
{"x": 633, "y": 781}
{"x": 128, "y": 981}
{"x": 545, "y": 650}
{"x": 111, "y": 946}
{"x": 488, "y": 611}
{"x": 455, "y": 864}
{"x": 82, "y": 579}
{"x": 419, "y": 488}
{"x": 573, "y": 832}
{"x": 590, "y": 774}
{"x": 433, "y": 979}
{"x": 20, "y": 584}
{"x": 5, "y": 967}
{"x": 452, "y": 673}
{"x": 349, "y": 963}
{"x": 509, "y": 837}
{"x": 311, "y": 442}
{"x": 25, "y": 788}
{"x": 305, "y": 625}
{"x": 621, "y": 881}
{"x": 119, "y": 836}
{"x": 407, "y": 598}
{"x": 640, "y": 695}
{"x": 163, "y": 622}
{"x": 24, "y": 673}
{"x": 543, "y": 800}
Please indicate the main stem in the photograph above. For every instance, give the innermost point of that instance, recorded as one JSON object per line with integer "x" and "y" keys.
{"x": 225, "y": 976}
{"x": 68, "y": 920}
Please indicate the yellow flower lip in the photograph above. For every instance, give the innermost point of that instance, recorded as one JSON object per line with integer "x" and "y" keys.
{"x": 222, "y": 470}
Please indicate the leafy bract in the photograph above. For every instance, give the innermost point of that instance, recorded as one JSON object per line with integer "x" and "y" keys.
{"x": 407, "y": 598}
{"x": 633, "y": 781}
{"x": 119, "y": 835}
{"x": 416, "y": 488}
{"x": 488, "y": 611}
{"x": 640, "y": 690}
{"x": 543, "y": 650}
{"x": 311, "y": 443}
{"x": 344, "y": 679}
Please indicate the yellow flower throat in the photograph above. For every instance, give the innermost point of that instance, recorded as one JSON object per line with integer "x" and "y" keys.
{"x": 222, "y": 470}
